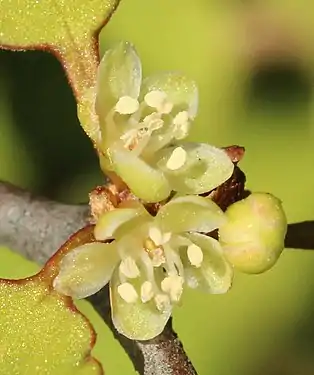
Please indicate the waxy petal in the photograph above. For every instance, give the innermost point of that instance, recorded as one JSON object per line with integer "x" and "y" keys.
{"x": 146, "y": 182}
{"x": 86, "y": 269}
{"x": 136, "y": 320}
{"x": 214, "y": 274}
{"x": 190, "y": 213}
{"x": 206, "y": 167}
{"x": 119, "y": 74}
{"x": 181, "y": 91}
{"x": 110, "y": 222}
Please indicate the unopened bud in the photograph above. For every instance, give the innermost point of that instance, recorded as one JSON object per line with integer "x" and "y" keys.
{"x": 253, "y": 236}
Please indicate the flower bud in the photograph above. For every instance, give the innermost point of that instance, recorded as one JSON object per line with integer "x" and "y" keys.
{"x": 253, "y": 236}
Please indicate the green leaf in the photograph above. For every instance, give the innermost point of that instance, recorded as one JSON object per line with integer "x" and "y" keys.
{"x": 67, "y": 28}
{"x": 52, "y": 23}
{"x": 42, "y": 332}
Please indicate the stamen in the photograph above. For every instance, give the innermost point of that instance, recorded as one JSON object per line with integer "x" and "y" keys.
{"x": 170, "y": 265}
{"x": 149, "y": 245}
{"x": 138, "y": 136}
{"x": 181, "y": 123}
{"x": 127, "y": 292}
{"x": 148, "y": 268}
{"x": 166, "y": 237}
{"x": 173, "y": 285}
{"x": 156, "y": 235}
{"x": 162, "y": 302}
{"x": 147, "y": 291}
{"x": 153, "y": 122}
{"x": 177, "y": 159}
{"x": 129, "y": 268}
{"x": 158, "y": 99}
{"x": 157, "y": 256}
{"x": 195, "y": 255}
{"x": 129, "y": 138}
{"x": 127, "y": 105}
{"x": 174, "y": 258}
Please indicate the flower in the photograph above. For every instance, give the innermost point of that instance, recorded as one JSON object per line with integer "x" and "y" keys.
{"x": 253, "y": 235}
{"x": 142, "y": 125}
{"x": 148, "y": 262}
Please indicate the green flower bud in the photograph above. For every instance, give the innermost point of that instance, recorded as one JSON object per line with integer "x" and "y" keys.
{"x": 253, "y": 236}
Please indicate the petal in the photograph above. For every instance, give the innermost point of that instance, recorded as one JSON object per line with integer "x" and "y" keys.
{"x": 180, "y": 90}
{"x": 110, "y": 222}
{"x": 86, "y": 269}
{"x": 146, "y": 182}
{"x": 205, "y": 167}
{"x": 214, "y": 274}
{"x": 131, "y": 243}
{"x": 135, "y": 320}
{"x": 119, "y": 74}
{"x": 190, "y": 213}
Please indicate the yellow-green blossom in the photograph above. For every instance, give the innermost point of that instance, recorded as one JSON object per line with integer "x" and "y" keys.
{"x": 142, "y": 125}
{"x": 149, "y": 262}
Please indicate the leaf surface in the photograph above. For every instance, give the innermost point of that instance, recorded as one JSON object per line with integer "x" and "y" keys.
{"x": 41, "y": 331}
{"x": 69, "y": 28}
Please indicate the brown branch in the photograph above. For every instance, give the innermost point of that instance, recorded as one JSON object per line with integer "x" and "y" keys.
{"x": 36, "y": 228}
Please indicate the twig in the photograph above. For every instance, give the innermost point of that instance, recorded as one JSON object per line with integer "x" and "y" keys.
{"x": 300, "y": 235}
{"x": 36, "y": 228}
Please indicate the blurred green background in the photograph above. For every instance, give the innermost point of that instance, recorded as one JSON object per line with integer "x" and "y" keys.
{"x": 254, "y": 65}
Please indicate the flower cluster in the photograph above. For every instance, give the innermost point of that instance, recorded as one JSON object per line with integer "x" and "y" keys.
{"x": 148, "y": 259}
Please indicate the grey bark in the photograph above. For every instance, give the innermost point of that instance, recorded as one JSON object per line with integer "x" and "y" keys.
{"x": 36, "y": 227}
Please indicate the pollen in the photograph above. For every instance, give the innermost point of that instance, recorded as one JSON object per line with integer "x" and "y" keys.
{"x": 129, "y": 268}
{"x": 127, "y": 105}
{"x": 195, "y": 255}
{"x": 156, "y": 235}
{"x": 181, "y": 124}
{"x": 158, "y": 99}
{"x": 153, "y": 122}
{"x": 130, "y": 138}
{"x": 127, "y": 292}
{"x": 173, "y": 285}
{"x": 157, "y": 256}
{"x": 147, "y": 291}
{"x": 177, "y": 159}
